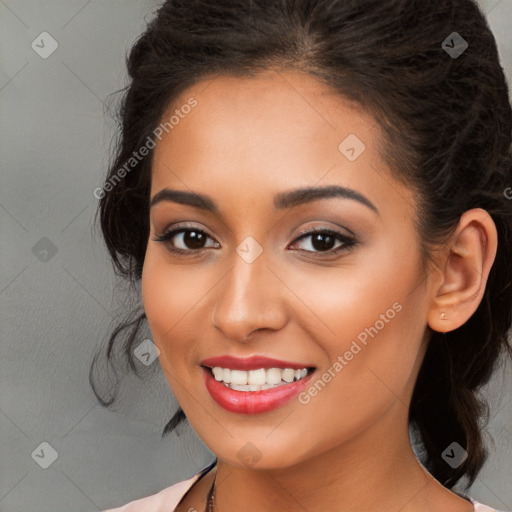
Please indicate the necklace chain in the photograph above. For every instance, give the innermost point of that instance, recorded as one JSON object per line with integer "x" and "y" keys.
{"x": 210, "y": 501}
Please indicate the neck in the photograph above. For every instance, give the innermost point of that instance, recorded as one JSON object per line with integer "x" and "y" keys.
{"x": 377, "y": 470}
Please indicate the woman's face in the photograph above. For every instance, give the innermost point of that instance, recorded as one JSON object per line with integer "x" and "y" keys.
{"x": 352, "y": 302}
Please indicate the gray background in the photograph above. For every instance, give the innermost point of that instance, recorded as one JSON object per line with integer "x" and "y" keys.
{"x": 54, "y": 151}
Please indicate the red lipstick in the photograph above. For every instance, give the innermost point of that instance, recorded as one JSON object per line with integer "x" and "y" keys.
{"x": 251, "y": 363}
{"x": 252, "y": 402}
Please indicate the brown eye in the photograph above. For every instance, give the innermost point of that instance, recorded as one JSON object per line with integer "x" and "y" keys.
{"x": 193, "y": 239}
{"x": 323, "y": 241}
{"x": 184, "y": 240}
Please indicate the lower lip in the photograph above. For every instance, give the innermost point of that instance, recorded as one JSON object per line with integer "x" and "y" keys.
{"x": 253, "y": 402}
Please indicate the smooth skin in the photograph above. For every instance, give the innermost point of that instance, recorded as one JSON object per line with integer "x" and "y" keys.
{"x": 348, "y": 449}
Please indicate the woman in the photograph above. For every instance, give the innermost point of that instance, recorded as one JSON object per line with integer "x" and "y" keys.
{"x": 312, "y": 195}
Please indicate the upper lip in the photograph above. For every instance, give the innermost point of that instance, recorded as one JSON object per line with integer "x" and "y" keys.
{"x": 250, "y": 363}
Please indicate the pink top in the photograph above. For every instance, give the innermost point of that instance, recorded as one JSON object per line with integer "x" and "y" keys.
{"x": 168, "y": 499}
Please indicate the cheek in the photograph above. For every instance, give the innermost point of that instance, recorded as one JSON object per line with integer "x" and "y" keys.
{"x": 369, "y": 322}
{"x": 169, "y": 301}
{"x": 355, "y": 301}
{"x": 370, "y": 366}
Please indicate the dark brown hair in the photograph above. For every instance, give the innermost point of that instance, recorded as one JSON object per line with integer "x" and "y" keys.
{"x": 447, "y": 125}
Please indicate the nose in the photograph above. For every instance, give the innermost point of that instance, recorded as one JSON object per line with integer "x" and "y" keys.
{"x": 249, "y": 298}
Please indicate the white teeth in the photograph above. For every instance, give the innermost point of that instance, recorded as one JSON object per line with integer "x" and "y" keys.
{"x": 226, "y": 375}
{"x": 238, "y": 387}
{"x": 257, "y": 377}
{"x": 288, "y": 374}
{"x": 238, "y": 377}
{"x": 274, "y": 375}
{"x": 257, "y": 380}
{"x": 299, "y": 374}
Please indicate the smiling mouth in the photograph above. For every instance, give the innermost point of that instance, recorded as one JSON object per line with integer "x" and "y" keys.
{"x": 258, "y": 379}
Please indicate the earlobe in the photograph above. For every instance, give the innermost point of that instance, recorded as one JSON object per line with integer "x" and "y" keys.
{"x": 464, "y": 269}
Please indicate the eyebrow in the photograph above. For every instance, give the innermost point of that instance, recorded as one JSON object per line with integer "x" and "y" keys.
{"x": 283, "y": 200}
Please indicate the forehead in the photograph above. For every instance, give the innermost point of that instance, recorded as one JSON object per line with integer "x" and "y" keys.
{"x": 273, "y": 132}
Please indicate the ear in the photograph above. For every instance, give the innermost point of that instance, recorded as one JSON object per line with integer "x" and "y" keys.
{"x": 463, "y": 269}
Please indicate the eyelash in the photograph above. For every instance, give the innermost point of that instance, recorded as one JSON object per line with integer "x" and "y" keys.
{"x": 347, "y": 241}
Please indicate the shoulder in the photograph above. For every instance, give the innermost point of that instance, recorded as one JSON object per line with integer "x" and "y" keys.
{"x": 480, "y": 507}
{"x": 163, "y": 501}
